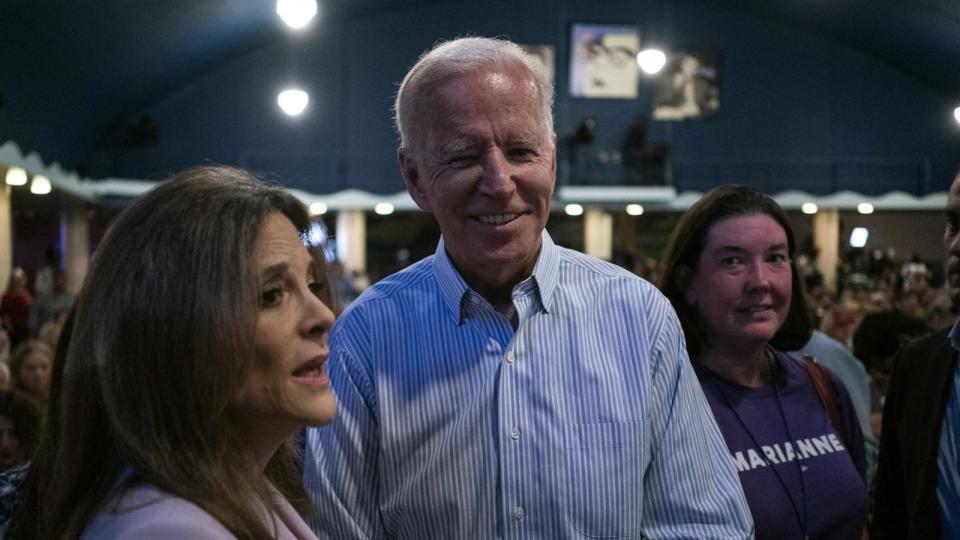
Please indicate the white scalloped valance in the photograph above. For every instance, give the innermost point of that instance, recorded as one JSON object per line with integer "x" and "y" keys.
{"x": 654, "y": 198}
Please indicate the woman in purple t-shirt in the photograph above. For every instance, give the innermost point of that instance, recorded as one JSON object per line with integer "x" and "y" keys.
{"x": 729, "y": 274}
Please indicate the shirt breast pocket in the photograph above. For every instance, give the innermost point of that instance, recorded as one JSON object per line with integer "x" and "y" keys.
{"x": 604, "y": 478}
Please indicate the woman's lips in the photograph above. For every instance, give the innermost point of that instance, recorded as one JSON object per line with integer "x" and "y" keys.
{"x": 756, "y": 309}
{"x": 312, "y": 372}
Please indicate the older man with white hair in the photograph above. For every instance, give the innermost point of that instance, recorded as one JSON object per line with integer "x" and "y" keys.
{"x": 506, "y": 387}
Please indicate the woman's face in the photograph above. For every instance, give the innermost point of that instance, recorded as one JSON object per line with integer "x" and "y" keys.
{"x": 288, "y": 387}
{"x": 742, "y": 286}
{"x": 35, "y": 374}
{"x": 11, "y": 452}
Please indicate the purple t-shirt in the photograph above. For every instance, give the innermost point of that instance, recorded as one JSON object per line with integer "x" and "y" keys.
{"x": 833, "y": 475}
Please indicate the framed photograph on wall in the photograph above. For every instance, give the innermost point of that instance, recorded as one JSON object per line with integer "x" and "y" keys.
{"x": 544, "y": 55}
{"x": 603, "y": 61}
{"x": 687, "y": 87}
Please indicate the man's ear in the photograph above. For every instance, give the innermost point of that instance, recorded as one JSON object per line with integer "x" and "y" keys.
{"x": 684, "y": 281}
{"x": 411, "y": 177}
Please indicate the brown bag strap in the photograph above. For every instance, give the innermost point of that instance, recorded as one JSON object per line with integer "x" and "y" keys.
{"x": 824, "y": 389}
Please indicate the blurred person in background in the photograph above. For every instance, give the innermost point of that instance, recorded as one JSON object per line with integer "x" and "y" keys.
{"x": 877, "y": 340}
{"x": 46, "y": 306}
{"x": 19, "y": 423}
{"x": 346, "y": 293}
{"x": 49, "y": 333}
{"x": 15, "y": 307}
{"x": 30, "y": 368}
{"x": 835, "y": 356}
{"x": 4, "y": 345}
{"x": 43, "y": 281}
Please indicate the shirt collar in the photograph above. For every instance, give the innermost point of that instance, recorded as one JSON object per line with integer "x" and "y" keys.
{"x": 546, "y": 273}
{"x": 453, "y": 288}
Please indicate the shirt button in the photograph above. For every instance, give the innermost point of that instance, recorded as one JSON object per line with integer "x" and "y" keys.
{"x": 518, "y": 513}
{"x": 515, "y": 433}
{"x": 510, "y": 357}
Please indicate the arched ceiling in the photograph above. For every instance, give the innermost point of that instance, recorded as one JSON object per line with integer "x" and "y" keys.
{"x": 919, "y": 37}
{"x": 69, "y": 69}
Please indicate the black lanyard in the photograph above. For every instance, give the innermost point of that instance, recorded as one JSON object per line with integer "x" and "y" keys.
{"x": 801, "y": 518}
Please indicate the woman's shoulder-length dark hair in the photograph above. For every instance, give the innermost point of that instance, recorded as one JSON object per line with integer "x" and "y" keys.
{"x": 160, "y": 340}
{"x": 686, "y": 244}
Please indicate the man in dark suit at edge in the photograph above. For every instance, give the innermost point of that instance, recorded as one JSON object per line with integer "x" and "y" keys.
{"x": 918, "y": 477}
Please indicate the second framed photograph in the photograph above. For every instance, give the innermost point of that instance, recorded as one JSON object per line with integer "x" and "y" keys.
{"x": 603, "y": 61}
{"x": 688, "y": 87}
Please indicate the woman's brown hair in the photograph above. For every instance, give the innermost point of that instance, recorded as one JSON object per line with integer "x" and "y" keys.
{"x": 689, "y": 238}
{"x": 159, "y": 342}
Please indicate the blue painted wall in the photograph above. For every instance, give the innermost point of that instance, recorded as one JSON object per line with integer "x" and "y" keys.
{"x": 797, "y": 110}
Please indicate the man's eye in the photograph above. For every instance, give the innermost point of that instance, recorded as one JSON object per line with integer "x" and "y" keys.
{"x": 778, "y": 258}
{"x": 464, "y": 160}
{"x": 522, "y": 152}
{"x": 271, "y": 297}
{"x": 730, "y": 261}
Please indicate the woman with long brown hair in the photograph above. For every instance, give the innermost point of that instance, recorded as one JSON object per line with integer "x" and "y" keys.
{"x": 195, "y": 353}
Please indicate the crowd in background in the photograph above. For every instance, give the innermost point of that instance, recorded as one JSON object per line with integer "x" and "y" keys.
{"x": 32, "y": 318}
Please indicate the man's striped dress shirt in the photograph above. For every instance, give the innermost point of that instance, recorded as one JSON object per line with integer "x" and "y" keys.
{"x": 948, "y": 458}
{"x": 585, "y": 421}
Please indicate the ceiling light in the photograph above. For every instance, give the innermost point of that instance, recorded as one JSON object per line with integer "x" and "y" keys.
{"x": 318, "y": 209}
{"x": 635, "y": 209}
{"x": 16, "y": 176}
{"x": 293, "y": 101}
{"x": 40, "y": 185}
{"x": 809, "y": 208}
{"x": 384, "y": 208}
{"x": 956, "y": 114}
{"x": 651, "y": 61}
{"x": 296, "y": 13}
{"x": 858, "y": 237}
{"x": 865, "y": 208}
{"x": 573, "y": 209}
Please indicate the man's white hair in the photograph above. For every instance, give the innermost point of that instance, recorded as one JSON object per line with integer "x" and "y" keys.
{"x": 458, "y": 57}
